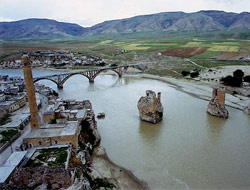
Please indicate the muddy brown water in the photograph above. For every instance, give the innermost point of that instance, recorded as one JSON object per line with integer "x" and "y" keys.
{"x": 188, "y": 149}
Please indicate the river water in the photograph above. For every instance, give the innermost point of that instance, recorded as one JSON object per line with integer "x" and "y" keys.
{"x": 188, "y": 149}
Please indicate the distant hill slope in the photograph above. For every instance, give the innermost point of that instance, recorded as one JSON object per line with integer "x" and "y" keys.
{"x": 39, "y": 28}
{"x": 175, "y": 21}
{"x": 201, "y": 21}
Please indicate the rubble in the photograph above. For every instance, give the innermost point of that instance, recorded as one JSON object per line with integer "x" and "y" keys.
{"x": 101, "y": 115}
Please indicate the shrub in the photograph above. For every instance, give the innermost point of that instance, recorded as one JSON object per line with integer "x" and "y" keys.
{"x": 247, "y": 78}
{"x": 238, "y": 73}
{"x": 232, "y": 81}
{"x": 194, "y": 74}
{"x": 7, "y": 135}
{"x": 185, "y": 73}
{"x": 99, "y": 183}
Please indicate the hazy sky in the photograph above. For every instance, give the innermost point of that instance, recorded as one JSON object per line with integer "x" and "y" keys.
{"x": 90, "y": 12}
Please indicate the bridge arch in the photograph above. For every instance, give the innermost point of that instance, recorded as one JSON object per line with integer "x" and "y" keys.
{"x": 45, "y": 78}
{"x": 73, "y": 74}
{"x": 98, "y": 72}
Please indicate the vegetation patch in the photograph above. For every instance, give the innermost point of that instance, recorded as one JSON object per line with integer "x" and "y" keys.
{"x": 5, "y": 120}
{"x": 207, "y": 55}
{"x": 104, "y": 42}
{"x": 235, "y": 80}
{"x": 184, "y": 52}
{"x": 49, "y": 157}
{"x": 224, "y": 48}
{"x": 131, "y": 46}
{"x": 5, "y": 136}
{"x": 99, "y": 183}
{"x": 193, "y": 44}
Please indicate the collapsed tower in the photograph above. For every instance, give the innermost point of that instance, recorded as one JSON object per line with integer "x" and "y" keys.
{"x": 150, "y": 107}
{"x": 216, "y": 106}
{"x": 30, "y": 88}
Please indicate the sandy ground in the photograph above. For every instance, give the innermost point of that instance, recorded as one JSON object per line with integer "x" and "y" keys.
{"x": 122, "y": 178}
{"x": 199, "y": 89}
{"x": 219, "y": 72}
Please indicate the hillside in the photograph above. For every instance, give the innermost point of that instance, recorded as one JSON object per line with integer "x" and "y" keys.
{"x": 38, "y": 28}
{"x": 202, "y": 21}
{"x": 175, "y": 21}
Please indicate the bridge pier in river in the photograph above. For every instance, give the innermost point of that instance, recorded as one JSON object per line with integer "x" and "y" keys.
{"x": 60, "y": 79}
{"x": 60, "y": 86}
{"x": 91, "y": 80}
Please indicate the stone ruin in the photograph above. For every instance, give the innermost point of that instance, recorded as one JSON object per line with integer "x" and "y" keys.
{"x": 32, "y": 178}
{"x": 150, "y": 107}
{"x": 216, "y": 106}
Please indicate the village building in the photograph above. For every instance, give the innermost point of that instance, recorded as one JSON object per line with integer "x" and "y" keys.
{"x": 62, "y": 133}
{"x": 13, "y": 103}
{"x": 53, "y": 134}
{"x": 9, "y": 106}
{"x": 2, "y": 97}
{"x": 14, "y": 161}
{"x": 3, "y": 113}
{"x": 20, "y": 100}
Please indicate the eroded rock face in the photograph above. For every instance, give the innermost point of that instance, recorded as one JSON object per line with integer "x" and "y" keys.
{"x": 216, "y": 106}
{"x": 247, "y": 109}
{"x": 150, "y": 107}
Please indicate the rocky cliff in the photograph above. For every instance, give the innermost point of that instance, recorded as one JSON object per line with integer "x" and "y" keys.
{"x": 150, "y": 107}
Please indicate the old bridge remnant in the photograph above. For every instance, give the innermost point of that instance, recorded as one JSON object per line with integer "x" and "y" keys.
{"x": 150, "y": 107}
{"x": 60, "y": 79}
{"x": 216, "y": 106}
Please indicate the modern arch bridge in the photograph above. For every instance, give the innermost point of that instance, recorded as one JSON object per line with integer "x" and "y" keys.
{"x": 60, "y": 79}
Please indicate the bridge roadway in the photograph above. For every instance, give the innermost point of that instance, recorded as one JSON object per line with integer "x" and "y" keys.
{"x": 60, "y": 79}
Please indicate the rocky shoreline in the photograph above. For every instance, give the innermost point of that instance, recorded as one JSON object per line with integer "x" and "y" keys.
{"x": 122, "y": 178}
{"x": 99, "y": 169}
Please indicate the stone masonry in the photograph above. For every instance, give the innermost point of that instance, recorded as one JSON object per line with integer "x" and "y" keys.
{"x": 216, "y": 106}
{"x": 150, "y": 107}
{"x": 35, "y": 119}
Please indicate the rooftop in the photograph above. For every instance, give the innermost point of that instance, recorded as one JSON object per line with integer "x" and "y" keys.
{"x": 7, "y": 103}
{"x": 54, "y": 130}
{"x": 15, "y": 158}
{"x": 8, "y": 167}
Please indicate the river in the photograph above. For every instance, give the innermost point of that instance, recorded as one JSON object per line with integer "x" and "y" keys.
{"x": 189, "y": 149}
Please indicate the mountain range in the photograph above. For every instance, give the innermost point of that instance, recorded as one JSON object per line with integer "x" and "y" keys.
{"x": 201, "y": 21}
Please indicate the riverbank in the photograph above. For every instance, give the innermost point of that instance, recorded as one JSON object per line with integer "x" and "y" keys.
{"x": 198, "y": 89}
{"x": 103, "y": 167}
{"x": 201, "y": 89}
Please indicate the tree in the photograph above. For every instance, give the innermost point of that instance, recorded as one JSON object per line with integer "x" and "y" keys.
{"x": 238, "y": 74}
{"x": 247, "y": 78}
{"x": 185, "y": 73}
{"x": 232, "y": 81}
{"x": 194, "y": 74}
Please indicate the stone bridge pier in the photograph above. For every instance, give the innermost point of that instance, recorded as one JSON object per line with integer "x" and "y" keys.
{"x": 60, "y": 79}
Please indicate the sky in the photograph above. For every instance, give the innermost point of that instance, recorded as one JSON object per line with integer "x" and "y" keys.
{"x": 90, "y": 12}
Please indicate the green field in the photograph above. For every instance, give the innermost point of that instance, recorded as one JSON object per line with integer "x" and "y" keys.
{"x": 141, "y": 46}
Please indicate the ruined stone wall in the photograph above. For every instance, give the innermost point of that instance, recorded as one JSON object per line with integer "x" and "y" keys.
{"x": 150, "y": 107}
{"x": 216, "y": 105}
{"x": 61, "y": 140}
{"x": 48, "y": 117}
{"x": 221, "y": 97}
{"x": 30, "y": 178}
